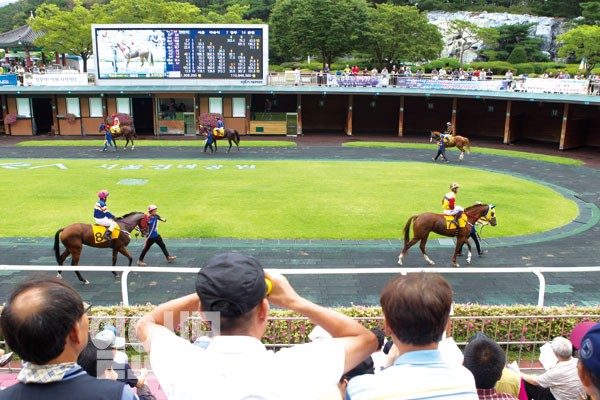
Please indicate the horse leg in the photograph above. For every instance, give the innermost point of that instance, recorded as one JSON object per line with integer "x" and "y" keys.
{"x": 132, "y": 143}
{"x": 61, "y": 260}
{"x": 215, "y": 143}
{"x": 75, "y": 253}
{"x": 123, "y": 250}
{"x": 425, "y": 256}
{"x": 229, "y": 149}
{"x": 460, "y": 240}
{"x": 462, "y": 154}
{"x": 405, "y": 249}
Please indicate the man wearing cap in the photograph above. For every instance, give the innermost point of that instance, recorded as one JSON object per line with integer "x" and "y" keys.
{"x": 107, "y": 342}
{"x": 44, "y": 322}
{"x": 231, "y": 291}
{"x": 560, "y": 382}
{"x": 588, "y": 368}
{"x": 154, "y": 237}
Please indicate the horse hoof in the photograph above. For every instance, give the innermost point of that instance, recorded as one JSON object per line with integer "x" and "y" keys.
{"x": 399, "y": 261}
{"x": 456, "y": 265}
{"x": 58, "y": 276}
{"x": 86, "y": 282}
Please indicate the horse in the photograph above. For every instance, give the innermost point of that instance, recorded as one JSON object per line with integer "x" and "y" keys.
{"x": 424, "y": 224}
{"x": 143, "y": 53}
{"x": 230, "y": 134}
{"x": 74, "y": 236}
{"x": 460, "y": 142}
{"x": 127, "y": 132}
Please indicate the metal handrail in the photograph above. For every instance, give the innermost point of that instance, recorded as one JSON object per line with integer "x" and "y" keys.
{"x": 313, "y": 271}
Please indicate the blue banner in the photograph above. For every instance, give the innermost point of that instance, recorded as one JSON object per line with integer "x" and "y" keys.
{"x": 8, "y": 80}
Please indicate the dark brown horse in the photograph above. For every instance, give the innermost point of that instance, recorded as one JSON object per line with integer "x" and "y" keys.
{"x": 128, "y": 133}
{"x": 74, "y": 236}
{"x": 143, "y": 53}
{"x": 424, "y": 224}
{"x": 460, "y": 142}
{"x": 230, "y": 134}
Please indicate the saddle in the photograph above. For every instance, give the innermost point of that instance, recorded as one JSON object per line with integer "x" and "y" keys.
{"x": 450, "y": 141}
{"x": 98, "y": 231}
{"x": 219, "y": 132}
{"x": 462, "y": 222}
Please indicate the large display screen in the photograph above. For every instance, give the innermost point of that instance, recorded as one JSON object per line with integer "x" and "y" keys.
{"x": 207, "y": 54}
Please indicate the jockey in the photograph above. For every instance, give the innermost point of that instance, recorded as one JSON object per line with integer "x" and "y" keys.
{"x": 449, "y": 130}
{"x": 220, "y": 129}
{"x": 449, "y": 204}
{"x": 116, "y": 125}
{"x": 103, "y": 216}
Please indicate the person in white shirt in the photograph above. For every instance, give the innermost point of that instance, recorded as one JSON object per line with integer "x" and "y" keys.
{"x": 231, "y": 291}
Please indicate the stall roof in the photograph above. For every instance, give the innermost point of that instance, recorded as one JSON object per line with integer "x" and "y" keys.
{"x": 20, "y": 37}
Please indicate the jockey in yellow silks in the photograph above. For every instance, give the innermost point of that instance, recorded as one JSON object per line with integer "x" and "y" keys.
{"x": 449, "y": 205}
{"x": 115, "y": 128}
{"x": 220, "y": 129}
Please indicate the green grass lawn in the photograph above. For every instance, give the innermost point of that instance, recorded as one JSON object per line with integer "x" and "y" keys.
{"x": 479, "y": 150}
{"x": 268, "y": 199}
{"x": 153, "y": 143}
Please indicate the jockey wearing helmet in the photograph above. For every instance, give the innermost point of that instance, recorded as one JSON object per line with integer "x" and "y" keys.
{"x": 449, "y": 130}
{"x": 116, "y": 125}
{"x": 220, "y": 129}
{"x": 449, "y": 203}
{"x": 103, "y": 216}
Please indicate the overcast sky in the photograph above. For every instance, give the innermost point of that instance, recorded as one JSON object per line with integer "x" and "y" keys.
{"x": 5, "y": 2}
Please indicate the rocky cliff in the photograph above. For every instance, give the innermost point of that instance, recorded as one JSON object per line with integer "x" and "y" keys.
{"x": 545, "y": 28}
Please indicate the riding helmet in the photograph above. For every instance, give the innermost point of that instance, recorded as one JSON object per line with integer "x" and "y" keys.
{"x": 103, "y": 194}
{"x": 449, "y": 123}
{"x": 152, "y": 207}
{"x": 454, "y": 186}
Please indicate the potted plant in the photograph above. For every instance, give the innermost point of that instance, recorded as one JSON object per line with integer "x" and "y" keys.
{"x": 70, "y": 118}
{"x": 10, "y": 119}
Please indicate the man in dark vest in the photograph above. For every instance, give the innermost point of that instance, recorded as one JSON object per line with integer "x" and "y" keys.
{"x": 45, "y": 323}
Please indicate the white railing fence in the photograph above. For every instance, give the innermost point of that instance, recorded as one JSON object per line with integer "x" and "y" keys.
{"x": 125, "y": 271}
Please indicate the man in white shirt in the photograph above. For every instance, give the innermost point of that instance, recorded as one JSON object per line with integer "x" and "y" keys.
{"x": 560, "y": 382}
{"x": 236, "y": 364}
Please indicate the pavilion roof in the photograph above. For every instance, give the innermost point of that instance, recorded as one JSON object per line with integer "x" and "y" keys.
{"x": 20, "y": 37}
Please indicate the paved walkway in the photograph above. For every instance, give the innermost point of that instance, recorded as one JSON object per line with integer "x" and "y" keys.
{"x": 576, "y": 244}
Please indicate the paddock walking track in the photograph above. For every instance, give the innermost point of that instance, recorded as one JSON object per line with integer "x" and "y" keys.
{"x": 575, "y": 245}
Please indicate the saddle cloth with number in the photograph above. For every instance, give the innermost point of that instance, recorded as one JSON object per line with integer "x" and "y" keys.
{"x": 99, "y": 233}
{"x": 462, "y": 222}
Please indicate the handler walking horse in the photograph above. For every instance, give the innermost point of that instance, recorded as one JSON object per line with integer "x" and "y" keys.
{"x": 230, "y": 134}
{"x": 74, "y": 236}
{"x": 460, "y": 142}
{"x": 424, "y": 224}
{"x": 143, "y": 53}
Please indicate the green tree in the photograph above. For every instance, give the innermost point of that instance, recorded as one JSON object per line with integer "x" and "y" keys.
{"x": 511, "y": 36}
{"x": 391, "y": 32}
{"x": 591, "y": 12}
{"x": 517, "y": 56}
{"x": 465, "y": 34}
{"x": 66, "y": 31}
{"x": 329, "y": 28}
{"x": 581, "y": 42}
{"x": 150, "y": 12}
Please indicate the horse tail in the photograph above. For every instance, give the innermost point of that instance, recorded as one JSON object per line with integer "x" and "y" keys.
{"x": 406, "y": 229}
{"x": 468, "y": 145}
{"x": 57, "y": 245}
{"x": 237, "y": 136}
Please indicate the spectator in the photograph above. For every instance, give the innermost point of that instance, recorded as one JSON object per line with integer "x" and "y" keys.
{"x": 589, "y": 363}
{"x": 98, "y": 361}
{"x": 108, "y": 337}
{"x": 416, "y": 308}
{"x": 486, "y": 361}
{"x": 45, "y": 323}
{"x": 559, "y": 382}
{"x": 379, "y": 356}
{"x": 578, "y": 333}
{"x": 236, "y": 365}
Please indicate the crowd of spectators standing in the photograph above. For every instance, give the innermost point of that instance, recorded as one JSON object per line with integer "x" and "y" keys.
{"x": 45, "y": 322}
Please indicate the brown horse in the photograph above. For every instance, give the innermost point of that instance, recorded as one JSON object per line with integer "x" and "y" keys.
{"x": 230, "y": 134}
{"x": 127, "y": 132}
{"x": 460, "y": 142}
{"x": 143, "y": 53}
{"x": 74, "y": 236}
{"x": 424, "y": 224}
